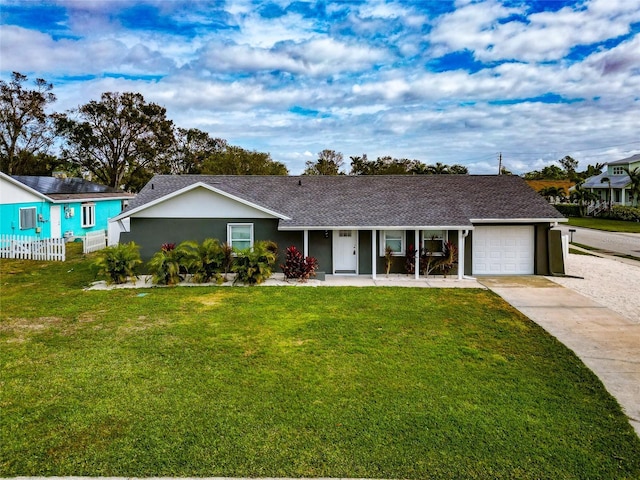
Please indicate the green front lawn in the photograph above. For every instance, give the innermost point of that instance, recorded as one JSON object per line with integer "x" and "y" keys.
{"x": 335, "y": 382}
{"x": 605, "y": 224}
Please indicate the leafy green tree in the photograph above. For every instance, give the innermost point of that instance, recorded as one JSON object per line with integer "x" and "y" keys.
{"x": 591, "y": 171}
{"x": 120, "y": 140}
{"x": 550, "y": 172}
{"x": 329, "y": 162}
{"x": 458, "y": 169}
{"x": 233, "y": 160}
{"x": 26, "y": 131}
{"x": 570, "y": 165}
{"x": 192, "y": 148}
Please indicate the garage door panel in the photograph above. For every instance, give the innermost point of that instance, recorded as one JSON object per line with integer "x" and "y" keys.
{"x": 503, "y": 250}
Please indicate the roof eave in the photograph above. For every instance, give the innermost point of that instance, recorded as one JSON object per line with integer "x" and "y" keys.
{"x": 519, "y": 220}
{"x": 375, "y": 227}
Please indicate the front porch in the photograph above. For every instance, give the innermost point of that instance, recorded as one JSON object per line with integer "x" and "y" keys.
{"x": 361, "y": 252}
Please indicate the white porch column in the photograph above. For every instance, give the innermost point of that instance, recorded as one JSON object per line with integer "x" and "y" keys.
{"x": 623, "y": 199}
{"x": 374, "y": 253}
{"x": 417, "y": 254}
{"x": 305, "y": 243}
{"x": 460, "y": 254}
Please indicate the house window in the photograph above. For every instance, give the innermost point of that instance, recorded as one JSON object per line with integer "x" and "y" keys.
{"x": 393, "y": 239}
{"x": 88, "y": 215}
{"x": 27, "y": 218}
{"x": 240, "y": 235}
{"x": 433, "y": 241}
{"x": 618, "y": 170}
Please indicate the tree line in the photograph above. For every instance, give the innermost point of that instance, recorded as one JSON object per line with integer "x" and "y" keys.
{"x": 120, "y": 140}
{"x": 568, "y": 170}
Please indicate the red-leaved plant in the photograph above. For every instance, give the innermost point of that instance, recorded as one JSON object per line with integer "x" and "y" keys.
{"x": 298, "y": 266}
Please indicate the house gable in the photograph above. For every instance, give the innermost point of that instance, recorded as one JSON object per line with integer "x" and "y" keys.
{"x": 202, "y": 201}
{"x": 13, "y": 192}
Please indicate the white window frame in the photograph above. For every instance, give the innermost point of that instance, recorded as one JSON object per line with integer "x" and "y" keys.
{"x": 428, "y": 234}
{"x": 618, "y": 170}
{"x": 230, "y": 227}
{"x": 395, "y": 234}
{"x": 88, "y": 213}
{"x": 32, "y": 214}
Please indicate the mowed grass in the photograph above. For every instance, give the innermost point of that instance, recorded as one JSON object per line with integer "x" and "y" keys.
{"x": 314, "y": 382}
{"x": 605, "y": 224}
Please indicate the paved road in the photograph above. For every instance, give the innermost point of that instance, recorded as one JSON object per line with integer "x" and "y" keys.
{"x": 625, "y": 243}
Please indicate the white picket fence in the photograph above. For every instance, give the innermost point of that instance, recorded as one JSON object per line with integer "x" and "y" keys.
{"x": 30, "y": 248}
{"x": 94, "y": 241}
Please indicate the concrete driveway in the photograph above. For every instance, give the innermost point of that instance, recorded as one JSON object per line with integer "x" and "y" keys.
{"x": 607, "y": 342}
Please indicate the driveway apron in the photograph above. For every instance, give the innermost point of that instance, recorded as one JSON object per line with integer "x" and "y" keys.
{"x": 605, "y": 341}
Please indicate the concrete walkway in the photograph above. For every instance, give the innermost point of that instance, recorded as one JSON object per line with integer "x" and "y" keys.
{"x": 605, "y": 341}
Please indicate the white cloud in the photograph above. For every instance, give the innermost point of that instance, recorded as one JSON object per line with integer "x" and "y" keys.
{"x": 320, "y": 56}
{"x": 544, "y": 36}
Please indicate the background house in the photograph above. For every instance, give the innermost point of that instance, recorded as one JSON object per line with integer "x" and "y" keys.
{"x": 499, "y": 224}
{"x": 613, "y": 186}
{"x": 48, "y": 207}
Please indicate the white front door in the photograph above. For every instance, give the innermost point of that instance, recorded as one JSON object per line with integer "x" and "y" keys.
{"x": 54, "y": 219}
{"x": 345, "y": 251}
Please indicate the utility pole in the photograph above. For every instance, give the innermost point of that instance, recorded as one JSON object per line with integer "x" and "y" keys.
{"x": 500, "y": 163}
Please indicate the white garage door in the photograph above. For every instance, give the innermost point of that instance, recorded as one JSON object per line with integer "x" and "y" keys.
{"x": 503, "y": 250}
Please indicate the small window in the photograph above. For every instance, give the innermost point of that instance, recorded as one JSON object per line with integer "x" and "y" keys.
{"x": 88, "y": 215}
{"x": 618, "y": 170}
{"x": 27, "y": 218}
{"x": 433, "y": 241}
{"x": 240, "y": 235}
{"x": 393, "y": 239}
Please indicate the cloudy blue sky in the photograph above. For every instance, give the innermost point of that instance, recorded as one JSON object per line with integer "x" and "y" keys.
{"x": 451, "y": 81}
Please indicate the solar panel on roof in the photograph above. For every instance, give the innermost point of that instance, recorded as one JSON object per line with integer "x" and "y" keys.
{"x": 52, "y": 185}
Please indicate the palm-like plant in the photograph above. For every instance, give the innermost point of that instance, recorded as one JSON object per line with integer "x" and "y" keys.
{"x": 204, "y": 261}
{"x": 582, "y": 197}
{"x": 610, "y": 196}
{"x": 552, "y": 194}
{"x": 169, "y": 264}
{"x": 634, "y": 188}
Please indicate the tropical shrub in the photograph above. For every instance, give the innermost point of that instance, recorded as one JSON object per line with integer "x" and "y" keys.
{"x": 443, "y": 261}
{"x": 227, "y": 258}
{"x": 388, "y": 259}
{"x": 449, "y": 258}
{"x": 298, "y": 266}
{"x": 168, "y": 266}
{"x": 204, "y": 261}
{"x": 621, "y": 212}
{"x": 569, "y": 209}
{"x": 255, "y": 265}
{"x": 118, "y": 263}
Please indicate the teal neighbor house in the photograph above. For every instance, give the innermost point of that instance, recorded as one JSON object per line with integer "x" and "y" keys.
{"x": 614, "y": 185}
{"x": 49, "y": 207}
